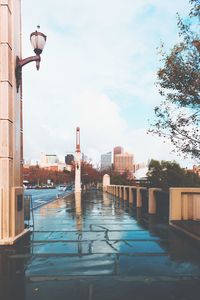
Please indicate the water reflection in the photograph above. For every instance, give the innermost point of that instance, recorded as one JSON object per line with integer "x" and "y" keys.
{"x": 95, "y": 234}
{"x": 13, "y": 261}
{"x": 78, "y": 211}
{"x": 180, "y": 248}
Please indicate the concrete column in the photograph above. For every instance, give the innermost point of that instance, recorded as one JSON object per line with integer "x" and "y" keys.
{"x": 11, "y": 132}
{"x": 106, "y": 182}
{"x": 120, "y": 192}
{"x": 152, "y": 200}
{"x": 117, "y": 191}
{"x": 139, "y": 198}
{"x": 130, "y": 195}
{"x": 125, "y": 193}
{"x": 113, "y": 191}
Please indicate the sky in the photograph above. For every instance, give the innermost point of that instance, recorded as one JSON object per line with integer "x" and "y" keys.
{"x": 98, "y": 71}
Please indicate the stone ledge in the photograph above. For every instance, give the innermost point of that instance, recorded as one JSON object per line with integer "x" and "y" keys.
{"x": 12, "y": 241}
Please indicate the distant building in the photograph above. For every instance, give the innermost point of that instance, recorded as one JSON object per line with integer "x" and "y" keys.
{"x": 117, "y": 150}
{"x": 84, "y": 157}
{"x": 139, "y": 166}
{"x": 196, "y": 169}
{"x": 123, "y": 163}
{"x": 141, "y": 173}
{"x": 48, "y": 160}
{"x": 106, "y": 161}
{"x": 58, "y": 167}
{"x": 69, "y": 159}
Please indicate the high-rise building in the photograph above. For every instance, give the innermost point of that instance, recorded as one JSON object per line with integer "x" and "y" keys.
{"x": 69, "y": 159}
{"x": 123, "y": 163}
{"x": 48, "y": 160}
{"x": 106, "y": 161}
{"x": 117, "y": 150}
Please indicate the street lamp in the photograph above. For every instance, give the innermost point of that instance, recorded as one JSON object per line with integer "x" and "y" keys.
{"x": 38, "y": 40}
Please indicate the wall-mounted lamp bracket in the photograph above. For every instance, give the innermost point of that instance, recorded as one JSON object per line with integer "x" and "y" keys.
{"x": 22, "y": 62}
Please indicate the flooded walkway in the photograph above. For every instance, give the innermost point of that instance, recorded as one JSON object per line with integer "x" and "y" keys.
{"x": 101, "y": 250}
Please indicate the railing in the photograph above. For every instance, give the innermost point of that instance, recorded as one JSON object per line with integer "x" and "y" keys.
{"x": 28, "y": 210}
{"x": 181, "y": 204}
{"x": 185, "y": 204}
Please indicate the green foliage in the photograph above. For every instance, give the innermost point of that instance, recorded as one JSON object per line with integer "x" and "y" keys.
{"x": 166, "y": 174}
{"x": 120, "y": 179}
{"x": 177, "y": 118}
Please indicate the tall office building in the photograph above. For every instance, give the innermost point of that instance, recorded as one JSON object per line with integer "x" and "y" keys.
{"x": 123, "y": 163}
{"x": 106, "y": 161}
{"x": 69, "y": 159}
{"x": 48, "y": 160}
{"x": 117, "y": 150}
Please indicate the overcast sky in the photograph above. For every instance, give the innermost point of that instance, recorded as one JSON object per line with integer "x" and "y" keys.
{"x": 98, "y": 71}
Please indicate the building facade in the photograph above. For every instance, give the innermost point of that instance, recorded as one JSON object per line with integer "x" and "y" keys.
{"x": 11, "y": 126}
{"x": 116, "y": 151}
{"x": 48, "y": 160}
{"x": 106, "y": 161}
{"x": 123, "y": 163}
{"x": 69, "y": 159}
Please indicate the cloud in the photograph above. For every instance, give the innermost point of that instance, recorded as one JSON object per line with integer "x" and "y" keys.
{"x": 95, "y": 49}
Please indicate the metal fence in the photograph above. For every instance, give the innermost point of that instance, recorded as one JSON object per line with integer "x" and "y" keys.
{"x": 28, "y": 211}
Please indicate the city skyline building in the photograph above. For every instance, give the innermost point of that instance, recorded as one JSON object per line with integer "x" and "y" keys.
{"x": 48, "y": 160}
{"x": 124, "y": 162}
{"x": 118, "y": 150}
{"x": 69, "y": 159}
{"x": 106, "y": 161}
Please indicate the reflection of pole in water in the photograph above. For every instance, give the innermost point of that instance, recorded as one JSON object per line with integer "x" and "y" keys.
{"x": 78, "y": 211}
{"x": 106, "y": 199}
{"x": 78, "y": 163}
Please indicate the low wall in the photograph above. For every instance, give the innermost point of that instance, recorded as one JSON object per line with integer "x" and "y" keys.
{"x": 180, "y": 204}
{"x": 184, "y": 204}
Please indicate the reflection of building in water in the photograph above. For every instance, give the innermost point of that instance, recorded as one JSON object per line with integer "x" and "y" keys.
{"x": 48, "y": 209}
{"x": 78, "y": 211}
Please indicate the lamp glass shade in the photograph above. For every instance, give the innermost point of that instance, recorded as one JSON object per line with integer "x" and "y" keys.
{"x": 38, "y": 41}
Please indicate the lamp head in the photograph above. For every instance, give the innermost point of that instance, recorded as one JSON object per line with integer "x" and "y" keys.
{"x": 38, "y": 41}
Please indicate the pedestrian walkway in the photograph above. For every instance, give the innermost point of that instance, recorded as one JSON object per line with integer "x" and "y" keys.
{"x": 100, "y": 250}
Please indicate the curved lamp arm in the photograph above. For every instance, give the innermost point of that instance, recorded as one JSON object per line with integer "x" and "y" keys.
{"x": 22, "y": 62}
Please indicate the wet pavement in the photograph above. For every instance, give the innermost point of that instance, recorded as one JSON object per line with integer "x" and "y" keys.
{"x": 101, "y": 249}
{"x": 43, "y": 196}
